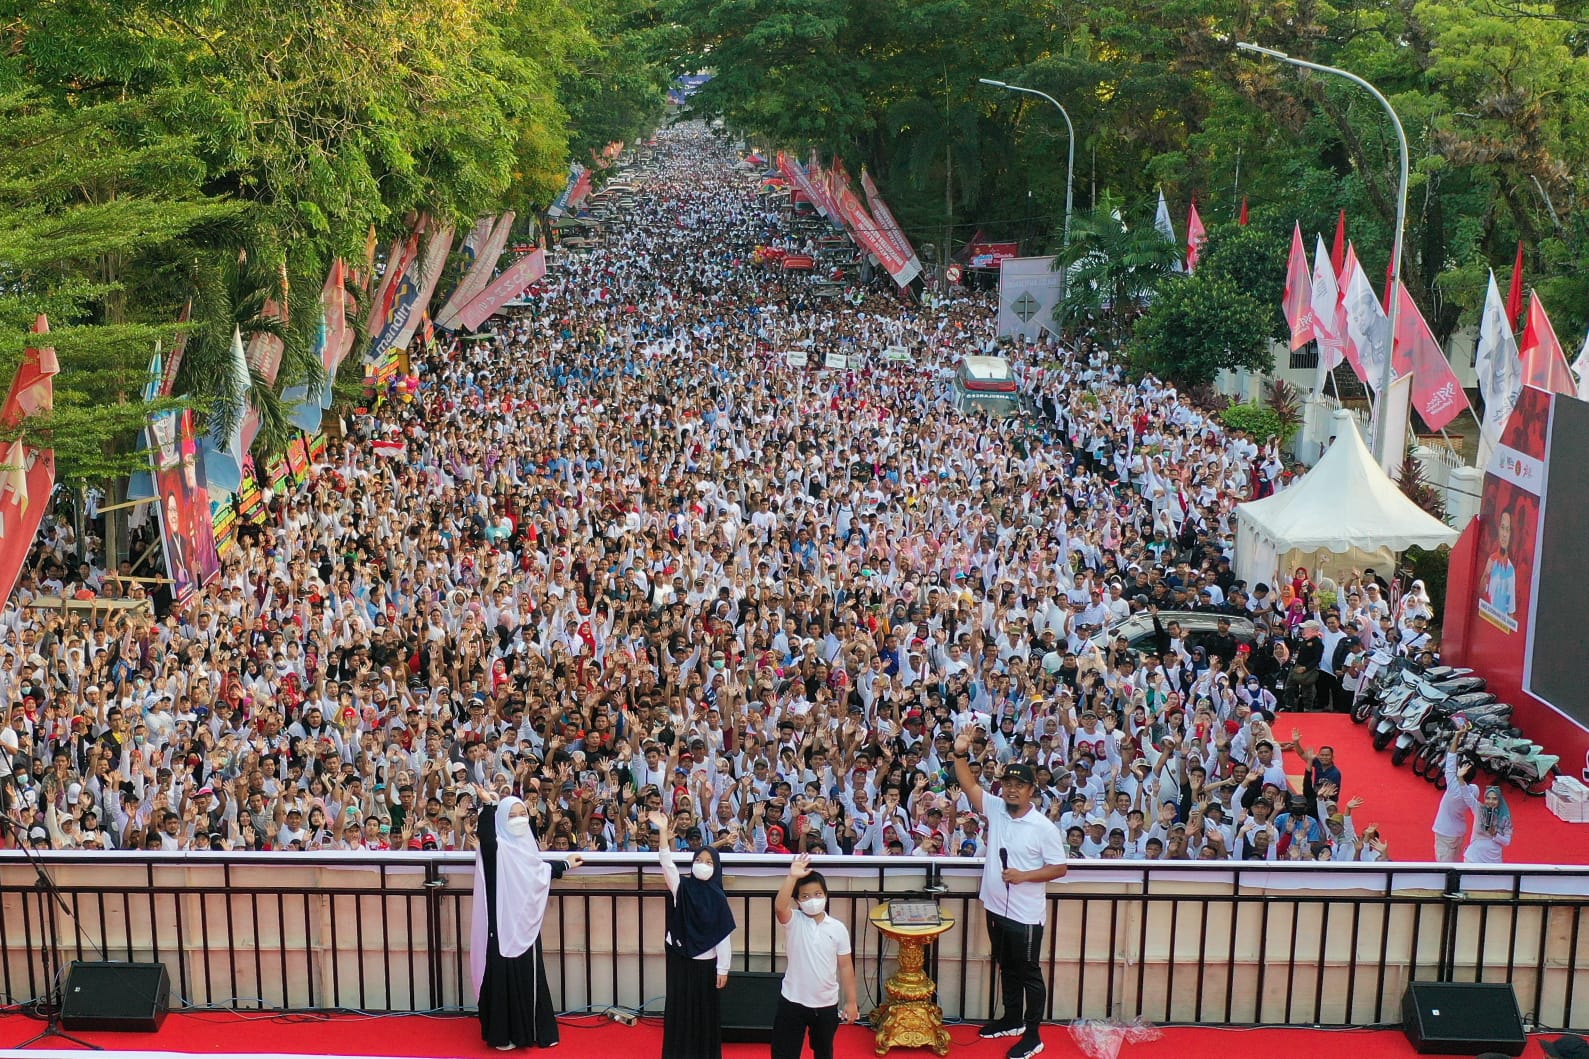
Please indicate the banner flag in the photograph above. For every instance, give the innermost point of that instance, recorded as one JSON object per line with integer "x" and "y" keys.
{"x": 1196, "y": 236}
{"x": 1325, "y": 298}
{"x": 864, "y": 230}
{"x": 223, "y": 454}
{"x": 1514, "y": 296}
{"x": 573, "y": 193}
{"x": 513, "y": 281}
{"x": 1544, "y": 361}
{"x": 1436, "y": 392}
{"x": 1581, "y": 366}
{"x": 1242, "y": 218}
{"x": 179, "y": 346}
{"x": 410, "y": 305}
{"x": 479, "y": 274}
{"x": 1299, "y": 289}
{"x": 399, "y": 256}
{"x": 1499, "y": 369}
{"x": 27, "y": 472}
{"x": 140, "y": 484}
{"x": 1338, "y": 251}
{"x": 452, "y": 283}
{"x": 1367, "y": 330}
{"x": 885, "y": 220}
{"x": 1161, "y": 220}
{"x": 187, "y": 527}
{"x": 801, "y": 179}
{"x": 821, "y": 185}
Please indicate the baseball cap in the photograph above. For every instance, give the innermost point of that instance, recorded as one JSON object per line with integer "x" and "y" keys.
{"x": 1020, "y": 773}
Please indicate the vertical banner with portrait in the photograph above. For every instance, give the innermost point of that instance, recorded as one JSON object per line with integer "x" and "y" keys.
{"x": 187, "y": 527}
{"x": 1509, "y": 517}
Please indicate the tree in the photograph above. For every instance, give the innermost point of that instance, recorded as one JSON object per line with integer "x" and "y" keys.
{"x": 1198, "y": 326}
{"x": 82, "y": 208}
{"x": 1113, "y": 268}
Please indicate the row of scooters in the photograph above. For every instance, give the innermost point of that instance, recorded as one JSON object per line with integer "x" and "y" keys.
{"x": 1419, "y": 710}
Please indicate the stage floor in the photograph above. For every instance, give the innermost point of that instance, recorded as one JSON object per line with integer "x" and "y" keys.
{"x": 260, "y": 1036}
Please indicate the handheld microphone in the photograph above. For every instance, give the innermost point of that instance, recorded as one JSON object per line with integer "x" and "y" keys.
{"x": 1004, "y": 859}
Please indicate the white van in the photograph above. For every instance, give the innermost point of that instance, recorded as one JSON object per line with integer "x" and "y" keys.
{"x": 987, "y": 384}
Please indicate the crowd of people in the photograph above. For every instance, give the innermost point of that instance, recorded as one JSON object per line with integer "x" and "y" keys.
{"x": 622, "y": 558}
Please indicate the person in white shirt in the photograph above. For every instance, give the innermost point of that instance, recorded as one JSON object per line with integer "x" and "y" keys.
{"x": 1453, "y": 816}
{"x": 1026, "y": 852}
{"x": 820, "y": 971}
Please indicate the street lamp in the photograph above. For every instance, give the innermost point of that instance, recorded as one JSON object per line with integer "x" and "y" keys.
{"x": 1070, "y": 161}
{"x": 1388, "y": 372}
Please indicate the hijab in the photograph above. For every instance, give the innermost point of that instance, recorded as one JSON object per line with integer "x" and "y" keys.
{"x": 1498, "y": 820}
{"x": 698, "y": 915}
{"x": 524, "y": 880}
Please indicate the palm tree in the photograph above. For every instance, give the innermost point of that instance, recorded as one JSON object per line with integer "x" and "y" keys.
{"x": 1112, "y": 267}
{"x": 245, "y": 293}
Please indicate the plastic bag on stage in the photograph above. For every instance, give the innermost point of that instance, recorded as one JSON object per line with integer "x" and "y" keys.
{"x": 1102, "y": 1038}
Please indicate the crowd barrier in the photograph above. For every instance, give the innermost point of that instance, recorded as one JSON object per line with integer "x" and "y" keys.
{"x": 1204, "y": 942}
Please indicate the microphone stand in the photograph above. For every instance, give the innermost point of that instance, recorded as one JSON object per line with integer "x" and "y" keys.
{"x": 54, "y": 996}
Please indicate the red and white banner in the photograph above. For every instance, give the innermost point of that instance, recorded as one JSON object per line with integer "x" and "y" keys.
{"x": 1299, "y": 291}
{"x": 1367, "y": 326}
{"x": 468, "y": 254}
{"x": 513, "y": 281}
{"x": 1196, "y": 236}
{"x": 884, "y": 217}
{"x": 1436, "y": 393}
{"x": 409, "y": 306}
{"x": 479, "y": 274}
{"x": 864, "y": 230}
{"x": 802, "y": 182}
{"x": 27, "y": 472}
{"x": 1544, "y": 361}
{"x": 822, "y": 190}
{"x": 399, "y": 257}
{"x": 179, "y": 346}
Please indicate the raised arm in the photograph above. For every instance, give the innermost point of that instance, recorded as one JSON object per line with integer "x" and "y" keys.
{"x": 963, "y": 773}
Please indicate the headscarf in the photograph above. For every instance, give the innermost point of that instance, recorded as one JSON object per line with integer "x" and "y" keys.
{"x": 1498, "y": 820}
{"x": 524, "y": 880}
{"x": 698, "y": 915}
{"x": 775, "y": 840}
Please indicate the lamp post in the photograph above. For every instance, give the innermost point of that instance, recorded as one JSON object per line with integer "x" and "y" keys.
{"x": 1070, "y": 159}
{"x": 1382, "y": 441}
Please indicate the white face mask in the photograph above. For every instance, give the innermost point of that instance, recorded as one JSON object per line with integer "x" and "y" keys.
{"x": 701, "y": 871}
{"x": 518, "y": 826}
{"x": 813, "y": 906}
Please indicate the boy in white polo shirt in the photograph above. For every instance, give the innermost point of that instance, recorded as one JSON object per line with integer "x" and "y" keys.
{"x": 820, "y": 967}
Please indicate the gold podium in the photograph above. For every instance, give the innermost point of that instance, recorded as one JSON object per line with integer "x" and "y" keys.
{"x": 909, "y": 1018}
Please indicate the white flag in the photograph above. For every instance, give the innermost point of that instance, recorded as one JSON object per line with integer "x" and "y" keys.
{"x": 1581, "y": 366}
{"x": 1499, "y": 369}
{"x": 1325, "y": 301}
{"x": 1366, "y": 322}
{"x": 1166, "y": 227}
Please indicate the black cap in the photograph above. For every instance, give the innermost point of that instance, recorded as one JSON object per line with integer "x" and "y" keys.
{"x": 1567, "y": 1046}
{"x": 1020, "y": 773}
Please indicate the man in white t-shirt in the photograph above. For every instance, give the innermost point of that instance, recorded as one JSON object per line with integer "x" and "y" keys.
{"x": 1025, "y": 852}
{"x": 820, "y": 968}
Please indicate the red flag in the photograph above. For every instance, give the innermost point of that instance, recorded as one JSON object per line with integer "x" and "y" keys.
{"x": 1436, "y": 393}
{"x": 1514, "y": 297}
{"x": 1299, "y": 293}
{"x": 1390, "y": 280}
{"x": 1195, "y": 237}
{"x": 27, "y": 473}
{"x": 1544, "y": 361}
{"x": 1338, "y": 251}
{"x": 1242, "y": 220}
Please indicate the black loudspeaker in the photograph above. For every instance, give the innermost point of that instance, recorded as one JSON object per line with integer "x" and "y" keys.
{"x": 1462, "y": 1018}
{"x": 129, "y": 997}
{"x": 748, "y": 1002}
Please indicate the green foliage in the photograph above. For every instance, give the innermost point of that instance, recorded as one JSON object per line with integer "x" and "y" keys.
{"x": 1415, "y": 487}
{"x": 1259, "y": 421}
{"x": 1285, "y": 401}
{"x": 1112, "y": 266}
{"x": 1197, "y": 326}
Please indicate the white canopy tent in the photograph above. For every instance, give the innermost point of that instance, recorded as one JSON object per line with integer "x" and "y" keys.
{"x": 1344, "y": 514}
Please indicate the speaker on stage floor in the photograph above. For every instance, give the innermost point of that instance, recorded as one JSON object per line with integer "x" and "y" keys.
{"x": 129, "y": 997}
{"x": 749, "y": 1002}
{"x": 1462, "y": 1018}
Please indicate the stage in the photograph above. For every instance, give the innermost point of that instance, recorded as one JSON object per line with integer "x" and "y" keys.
{"x": 1404, "y": 804}
{"x": 265, "y": 1036}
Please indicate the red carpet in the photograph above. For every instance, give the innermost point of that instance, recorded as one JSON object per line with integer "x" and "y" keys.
{"x": 1403, "y": 804}
{"x": 453, "y": 1036}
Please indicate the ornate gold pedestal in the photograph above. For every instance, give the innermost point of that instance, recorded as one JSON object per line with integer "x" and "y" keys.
{"x": 909, "y": 1018}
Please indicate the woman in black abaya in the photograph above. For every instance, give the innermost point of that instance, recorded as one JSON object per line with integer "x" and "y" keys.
{"x": 512, "y": 882}
{"x": 700, "y": 925}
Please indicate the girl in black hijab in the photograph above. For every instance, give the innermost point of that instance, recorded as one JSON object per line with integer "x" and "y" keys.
{"x": 700, "y": 925}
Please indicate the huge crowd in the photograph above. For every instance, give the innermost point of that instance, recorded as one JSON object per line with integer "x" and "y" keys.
{"x": 621, "y": 557}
